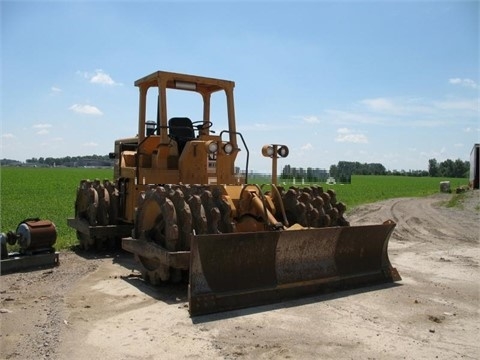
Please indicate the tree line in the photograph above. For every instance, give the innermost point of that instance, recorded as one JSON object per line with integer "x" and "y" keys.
{"x": 449, "y": 168}
{"x": 68, "y": 161}
{"x": 344, "y": 170}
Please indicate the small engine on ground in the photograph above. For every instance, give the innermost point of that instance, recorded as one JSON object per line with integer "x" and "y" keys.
{"x": 36, "y": 239}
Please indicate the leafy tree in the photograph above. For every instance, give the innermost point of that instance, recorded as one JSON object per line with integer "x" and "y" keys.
{"x": 334, "y": 170}
{"x": 432, "y": 167}
{"x": 461, "y": 168}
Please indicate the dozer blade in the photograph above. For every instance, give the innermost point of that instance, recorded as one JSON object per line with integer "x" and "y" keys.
{"x": 232, "y": 271}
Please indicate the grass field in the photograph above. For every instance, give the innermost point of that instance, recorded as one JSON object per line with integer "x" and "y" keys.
{"x": 46, "y": 193}
{"x": 49, "y": 193}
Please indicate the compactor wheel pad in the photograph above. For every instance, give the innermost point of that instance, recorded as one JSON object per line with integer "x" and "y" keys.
{"x": 157, "y": 223}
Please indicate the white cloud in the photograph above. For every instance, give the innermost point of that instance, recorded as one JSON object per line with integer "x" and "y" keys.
{"x": 100, "y": 77}
{"x": 55, "y": 89}
{"x": 260, "y": 126}
{"x": 265, "y": 126}
{"x": 458, "y": 104}
{"x": 463, "y": 82}
{"x": 307, "y": 147}
{"x": 311, "y": 119}
{"x": 42, "y": 126}
{"x": 351, "y": 136}
{"x": 469, "y": 130}
{"x": 379, "y": 104}
{"x": 406, "y": 111}
{"x": 397, "y": 106}
{"x": 85, "y": 109}
{"x": 8, "y": 136}
{"x": 340, "y": 116}
{"x": 90, "y": 144}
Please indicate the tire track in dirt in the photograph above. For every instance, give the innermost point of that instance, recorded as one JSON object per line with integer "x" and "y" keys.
{"x": 431, "y": 232}
{"x": 422, "y": 219}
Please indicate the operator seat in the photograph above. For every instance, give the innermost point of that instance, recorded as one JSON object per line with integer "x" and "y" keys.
{"x": 181, "y": 130}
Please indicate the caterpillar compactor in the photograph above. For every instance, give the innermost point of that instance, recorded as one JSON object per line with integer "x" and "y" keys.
{"x": 187, "y": 213}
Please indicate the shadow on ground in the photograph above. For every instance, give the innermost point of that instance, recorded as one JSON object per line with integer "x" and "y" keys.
{"x": 290, "y": 303}
{"x": 177, "y": 294}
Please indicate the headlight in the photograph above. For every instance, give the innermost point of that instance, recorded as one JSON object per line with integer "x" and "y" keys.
{"x": 212, "y": 147}
{"x": 267, "y": 150}
{"x": 228, "y": 148}
{"x": 283, "y": 151}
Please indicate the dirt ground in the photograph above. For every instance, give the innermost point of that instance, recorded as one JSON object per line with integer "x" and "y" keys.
{"x": 97, "y": 307}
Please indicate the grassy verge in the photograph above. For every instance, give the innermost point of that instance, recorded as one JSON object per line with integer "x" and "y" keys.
{"x": 456, "y": 201}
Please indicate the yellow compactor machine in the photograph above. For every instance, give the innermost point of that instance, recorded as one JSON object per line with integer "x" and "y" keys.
{"x": 186, "y": 212}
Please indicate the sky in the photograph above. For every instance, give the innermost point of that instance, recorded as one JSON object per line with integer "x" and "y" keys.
{"x": 387, "y": 82}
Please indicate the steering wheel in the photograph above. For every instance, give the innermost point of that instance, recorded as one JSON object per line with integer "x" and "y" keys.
{"x": 202, "y": 125}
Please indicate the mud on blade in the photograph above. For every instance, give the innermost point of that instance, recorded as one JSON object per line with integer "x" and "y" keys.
{"x": 231, "y": 271}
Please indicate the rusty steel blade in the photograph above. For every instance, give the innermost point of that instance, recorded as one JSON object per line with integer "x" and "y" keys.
{"x": 231, "y": 271}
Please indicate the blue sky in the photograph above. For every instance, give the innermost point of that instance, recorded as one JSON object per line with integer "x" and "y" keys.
{"x": 395, "y": 83}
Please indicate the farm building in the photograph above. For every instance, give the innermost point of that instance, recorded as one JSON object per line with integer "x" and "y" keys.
{"x": 474, "y": 166}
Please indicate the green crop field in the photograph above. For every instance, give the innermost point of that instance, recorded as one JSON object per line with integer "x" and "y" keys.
{"x": 366, "y": 189}
{"x": 49, "y": 194}
{"x": 46, "y": 193}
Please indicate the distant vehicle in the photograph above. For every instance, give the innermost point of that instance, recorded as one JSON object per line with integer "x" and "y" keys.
{"x": 331, "y": 181}
{"x": 474, "y": 166}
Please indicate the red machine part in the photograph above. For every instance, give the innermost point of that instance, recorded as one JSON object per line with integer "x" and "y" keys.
{"x": 36, "y": 235}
